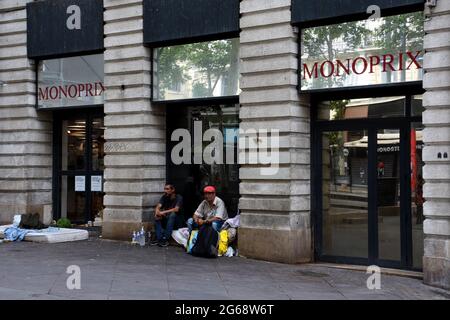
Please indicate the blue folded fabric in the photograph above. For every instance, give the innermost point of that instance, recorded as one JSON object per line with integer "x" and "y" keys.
{"x": 15, "y": 233}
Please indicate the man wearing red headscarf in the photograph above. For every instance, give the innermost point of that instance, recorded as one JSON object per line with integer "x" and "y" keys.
{"x": 211, "y": 211}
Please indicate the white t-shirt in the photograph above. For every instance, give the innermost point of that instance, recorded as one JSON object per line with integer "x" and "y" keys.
{"x": 218, "y": 209}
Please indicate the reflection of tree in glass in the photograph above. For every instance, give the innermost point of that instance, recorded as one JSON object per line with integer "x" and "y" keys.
{"x": 168, "y": 71}
{"x": 212, "y": 60}
{"x": 338, "y": 109}
{"x": 324, "y": 43}
{"x": 400, "y": 34}
{"x": 199, "y": 90}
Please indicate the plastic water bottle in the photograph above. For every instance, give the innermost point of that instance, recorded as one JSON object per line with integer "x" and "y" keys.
{"x": 142, "y": 238}
{"x": 133, "y": 241}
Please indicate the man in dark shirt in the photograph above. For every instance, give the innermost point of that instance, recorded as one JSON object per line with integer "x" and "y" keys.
{"x": 166, "y": 212}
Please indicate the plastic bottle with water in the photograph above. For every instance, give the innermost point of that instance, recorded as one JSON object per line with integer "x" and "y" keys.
{"x": 142, "y": 237}
{"x": 134, "y": 239}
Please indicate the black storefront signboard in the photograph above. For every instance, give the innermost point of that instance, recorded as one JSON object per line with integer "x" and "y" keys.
{"x": 58, "y": 28}
{"x": 168, "y": 22}
{"x": 310, "y": 13}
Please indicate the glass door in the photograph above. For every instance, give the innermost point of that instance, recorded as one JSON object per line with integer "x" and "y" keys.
{"x": 78, "y": 167}
{"x": 345, "y": 194}
{"x": 73, "y": 170}
{"x": 392, "y": 212}
{"x": 363, "y": 207}
{"x": 368, "y": 185}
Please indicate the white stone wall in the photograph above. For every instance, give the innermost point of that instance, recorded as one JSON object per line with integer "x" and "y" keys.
{"x": 25, "y": 135}
{"x": 135, "y": 129}
{"x": 436, "y": 172}
{"x": 270, "y": 100}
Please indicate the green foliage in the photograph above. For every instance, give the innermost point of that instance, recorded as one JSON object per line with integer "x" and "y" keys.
{"x": 338, "y": 109}
{"x": 321, "y": 42}
{"x": 318, "y": 42}
{"x": 393, "y": 34}
{"x": 64, "y": 223}
{"x": 173, "y": 71}
{"x": 199, "y": 90}
{"x": 403, "y": 32}
{"x": 213, "y": 59}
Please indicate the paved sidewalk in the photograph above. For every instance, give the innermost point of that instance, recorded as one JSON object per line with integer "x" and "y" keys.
{"x": 118, "y": 270}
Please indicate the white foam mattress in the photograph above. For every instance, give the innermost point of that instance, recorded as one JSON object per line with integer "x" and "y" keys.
{"x": 61, "y": 235}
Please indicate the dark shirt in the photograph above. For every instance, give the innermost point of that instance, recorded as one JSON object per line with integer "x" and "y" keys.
{"x": 168, "y": 203}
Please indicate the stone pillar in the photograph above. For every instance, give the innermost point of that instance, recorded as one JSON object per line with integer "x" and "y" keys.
{"x": 436, "y": 119}
{"x": 25, "y": 134}
{"x": 135, "y": 129}
{"x": 275, "y": 209}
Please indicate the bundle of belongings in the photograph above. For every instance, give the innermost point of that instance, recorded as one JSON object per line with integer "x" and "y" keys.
{"x": 23, "y": 224}
{"x": 28, "y": 227}
{"x": 207, "y": 242}
{"x": 31, "y": 221}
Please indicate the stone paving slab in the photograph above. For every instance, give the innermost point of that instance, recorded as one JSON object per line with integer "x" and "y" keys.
{"x": 117, "y": 270}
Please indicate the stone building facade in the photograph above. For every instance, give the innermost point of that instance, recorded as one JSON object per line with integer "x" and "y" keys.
{"x": 277, "y": 223}
{"x": 436, "y": 137}
{"x": 26, "y": 135}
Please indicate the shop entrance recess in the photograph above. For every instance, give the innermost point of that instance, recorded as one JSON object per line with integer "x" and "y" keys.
{"x": 367, "y": 186}
{"x": 78, "y": 153}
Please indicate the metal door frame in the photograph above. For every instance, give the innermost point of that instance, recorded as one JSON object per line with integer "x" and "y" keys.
{"x": 371, "y": 125}
{"x": 88, "y": 114}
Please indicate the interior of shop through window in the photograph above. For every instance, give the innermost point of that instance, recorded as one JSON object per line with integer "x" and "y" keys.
{"x": 82, "y": 169}
{"x": 190, "y": 178}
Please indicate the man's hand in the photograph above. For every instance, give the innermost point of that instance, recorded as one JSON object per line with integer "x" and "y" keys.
{"x": 211, "y": 220}
{"x": 159, "y": 214}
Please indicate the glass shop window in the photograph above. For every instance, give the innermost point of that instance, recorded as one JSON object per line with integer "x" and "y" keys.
{"x": 196, "y": 70}
{"x": 363, "y": 53}
{"x": 71, "y": 82}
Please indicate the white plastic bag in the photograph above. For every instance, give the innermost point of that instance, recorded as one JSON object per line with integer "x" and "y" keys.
{"x": 232, "y": 222}
{"x": 184, "y": 232}
{"x": 17, "y": 219}
{"x": 178, "y": 236}
{"x": 229, "y": 253}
